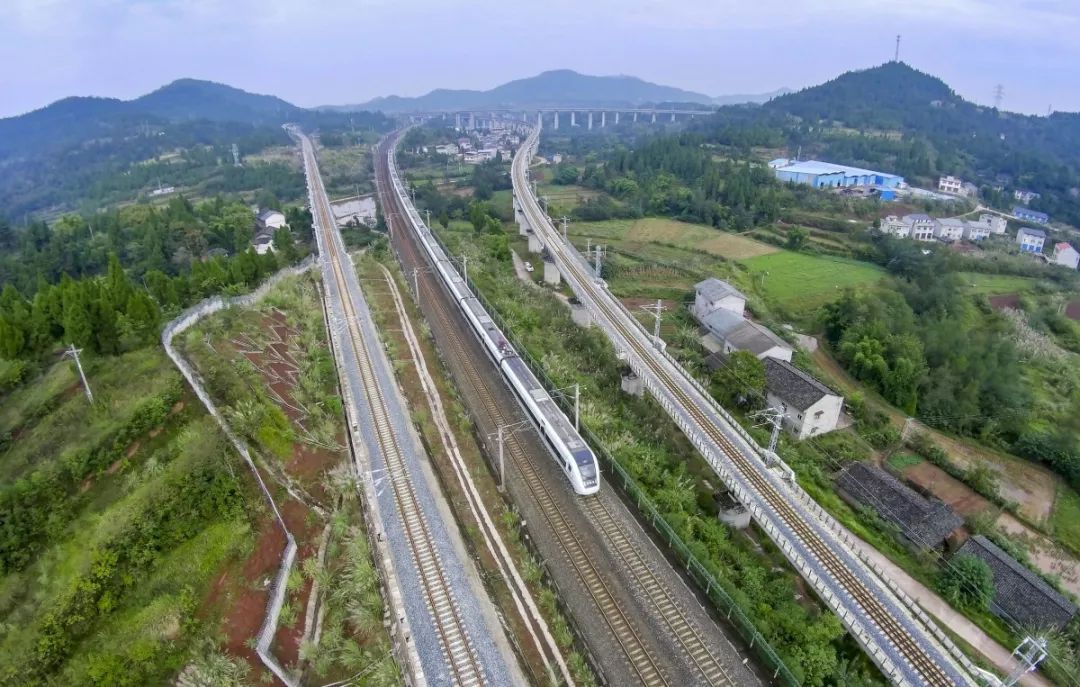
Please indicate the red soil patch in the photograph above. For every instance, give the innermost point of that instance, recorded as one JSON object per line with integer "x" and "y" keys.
{"x": 130, "y": 452}
{"x": 1072, "y": 310}
{"x": 952, "y": 491}
{"x": 115, "y": 467}
{"x": 308, "y": 462}
{"x": 1011, "y": 300}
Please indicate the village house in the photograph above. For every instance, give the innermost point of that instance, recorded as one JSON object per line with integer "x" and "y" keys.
{"x": 895, "y": 226}
{"x": 714, "y": 293}
{"x": 810, "y": 408}
{"x": 266, "y": 223}
{"x": 923, "y": 227}
{"x": 1065, "y": 254}
{"x": 949, "y": 229}
{"x": 1030, "y": 240}
{"x": 726, "y": 332}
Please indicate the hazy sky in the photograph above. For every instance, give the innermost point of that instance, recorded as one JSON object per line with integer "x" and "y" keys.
{"x": 314, "y": 52}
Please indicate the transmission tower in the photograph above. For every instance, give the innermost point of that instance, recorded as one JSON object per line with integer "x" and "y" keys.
{"x": 999, "y": 95}
{"x": 896, "y": 55}
{"x": 236, "y": 155}
{"x": 74, "y": 353}
{"x": 772, "y": 417}
{"x": 1031, "y": 652}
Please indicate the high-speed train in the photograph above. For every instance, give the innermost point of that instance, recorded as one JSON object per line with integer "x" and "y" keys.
{"x": 574, "y": 456}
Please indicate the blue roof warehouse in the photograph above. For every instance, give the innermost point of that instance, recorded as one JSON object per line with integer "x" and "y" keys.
{"x": 827, "y": 175}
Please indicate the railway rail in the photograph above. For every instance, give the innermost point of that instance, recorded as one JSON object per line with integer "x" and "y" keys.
{"x": 458, "y": 649}
{"x": 927, "y": 664}
{"x": 705, "y": 664}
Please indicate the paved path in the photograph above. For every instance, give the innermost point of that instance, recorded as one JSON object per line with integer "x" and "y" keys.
{"x": 950, "y": 618}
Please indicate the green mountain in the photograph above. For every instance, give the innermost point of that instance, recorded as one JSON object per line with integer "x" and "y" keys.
{"x": 896, "y": 118}
{"x": 560, "y": 87}
{"x": 80, "y": 120}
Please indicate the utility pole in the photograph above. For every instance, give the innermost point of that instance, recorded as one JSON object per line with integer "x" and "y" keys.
{"x": 416, "y": 282}
{"x": 577, "y": 407}
{"x": 564, "y": 219}
{"x": 465, "y": 269}
{"x": 74, "y": 353}
{"x": 502, "y": 460}
{"x": 599, "y": 253}
{"x": 656, "y": 310}
{"x": 427, "y": 214}
{"x": 1031, "y": 652}
{"x": 546, "y": 202}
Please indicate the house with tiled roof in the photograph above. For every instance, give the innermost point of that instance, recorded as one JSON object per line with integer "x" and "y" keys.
{"x": 712, "y": 294}
{"x": 810, "y": 408}
{"x": 1020, "y": 596}
{"x": 924, "y": 522}
{"x": 725, "y": 331}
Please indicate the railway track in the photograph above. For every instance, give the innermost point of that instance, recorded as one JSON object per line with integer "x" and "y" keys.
{"x": 458, "y": 649}
{"x": 931, "y": 672}
{"x": 638, "y": 655}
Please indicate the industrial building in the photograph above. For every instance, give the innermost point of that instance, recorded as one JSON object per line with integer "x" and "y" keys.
{"x": 827, "y": 175}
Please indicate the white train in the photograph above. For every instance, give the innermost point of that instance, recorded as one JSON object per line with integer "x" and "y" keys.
{"x": 575, "y": 457}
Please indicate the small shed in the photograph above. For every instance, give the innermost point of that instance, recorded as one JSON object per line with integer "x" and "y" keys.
{"x": 925, "y": 522}
{"x": 1019, "y": 594}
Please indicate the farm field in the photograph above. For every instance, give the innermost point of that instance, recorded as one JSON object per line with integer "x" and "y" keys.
{"x": 799, "y": 283}
{"x": 568, "y": 197}
{"x": 680, "y": 234}
{"x": 996, "y": 284}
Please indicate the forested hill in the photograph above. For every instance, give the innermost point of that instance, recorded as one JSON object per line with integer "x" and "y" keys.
{"x": 556, "y": 87}
{"x": 855, "y": 119}
{"x": 76, "y": 120}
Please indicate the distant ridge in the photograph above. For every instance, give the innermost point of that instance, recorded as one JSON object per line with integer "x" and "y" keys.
{"x": 78, "y": 119}
{"x": 561, "y": 88}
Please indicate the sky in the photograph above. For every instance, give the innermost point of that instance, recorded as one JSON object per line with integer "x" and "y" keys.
{"x": 317, "y": 52}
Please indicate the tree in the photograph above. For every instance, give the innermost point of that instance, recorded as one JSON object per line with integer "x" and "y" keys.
{"x": 967, "y": 582}
{"x": 566, "y": 175}
{"x": 796, "y": 238}
{"x": 742, "y": 379}
{"x": 284, "y": 245}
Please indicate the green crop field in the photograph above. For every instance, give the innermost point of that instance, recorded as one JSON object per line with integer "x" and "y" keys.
{"x": 681, "y": 234}
{"x": 995, "y": 284}
{"x": 797, "y": 282}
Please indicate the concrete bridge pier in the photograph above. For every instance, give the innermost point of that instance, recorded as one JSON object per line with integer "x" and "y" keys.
{"x": 654, "y": 118}
{"x": 535, "y": 245}
{"x": 673, "y": 116}
{"x": 590, "y": 121}
{"x": 556, "y": 120}
{"x": 457, "y": 122}
{"x": 616, "y": 119}
{"x": 635, "y": 118}
{"x": 603, "y": 119}
{"x": 573, "y": 119}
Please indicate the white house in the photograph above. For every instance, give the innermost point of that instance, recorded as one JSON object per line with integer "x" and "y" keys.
{"x": 896, "y": 227}
{"x": 447, "y": 149}
{"x": 728, "y": 331}
{"x": 922, "y": 226}
{"x": 1031, "y": 240}
{"x": 714, "y": 293}
{"x": 950, "y": 184}
{"x": 270, "y": 220}
{"x": 997, "y": 223}
{"x": 976, "y": 231}
{"x": 949, "y": 229}
{"x": 1025, "y": 197}
{"x": 810, "y": 408}
{"x": 1066, "y": 255}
